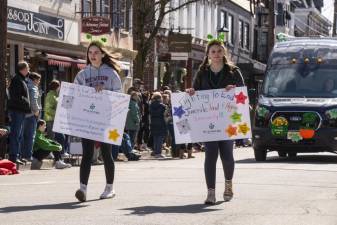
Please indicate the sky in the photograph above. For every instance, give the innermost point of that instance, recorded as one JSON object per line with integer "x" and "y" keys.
{"x": 328, "y": 8}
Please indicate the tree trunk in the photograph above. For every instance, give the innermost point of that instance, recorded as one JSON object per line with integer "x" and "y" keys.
{"x": 3, "y": 48}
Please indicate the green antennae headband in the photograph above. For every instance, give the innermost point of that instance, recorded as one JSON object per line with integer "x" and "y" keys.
{"x": 221, "y": 38}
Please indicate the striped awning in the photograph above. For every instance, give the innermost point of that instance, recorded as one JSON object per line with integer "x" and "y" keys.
{"x": 64, "y": 61}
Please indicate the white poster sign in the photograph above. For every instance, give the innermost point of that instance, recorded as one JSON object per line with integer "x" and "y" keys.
{"x": 85, "y": 113}
{"x": 212, "y": 115}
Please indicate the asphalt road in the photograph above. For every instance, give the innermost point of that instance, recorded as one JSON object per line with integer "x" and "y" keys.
{"x": 280, "y": 191}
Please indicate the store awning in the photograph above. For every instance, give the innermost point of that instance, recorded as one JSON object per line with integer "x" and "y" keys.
{"x": 64, "y": 61}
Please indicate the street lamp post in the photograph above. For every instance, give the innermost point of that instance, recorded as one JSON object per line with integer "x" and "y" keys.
{"x": 223, "y": 31}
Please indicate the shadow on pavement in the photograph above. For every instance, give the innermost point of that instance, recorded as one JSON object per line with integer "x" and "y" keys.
{"x": 195, "y": 208}
{"x": 300, "y": 159}
{"x": 66, "y": 205}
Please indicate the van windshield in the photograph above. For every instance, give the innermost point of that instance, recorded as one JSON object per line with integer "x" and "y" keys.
{"x": 301, "y": 80}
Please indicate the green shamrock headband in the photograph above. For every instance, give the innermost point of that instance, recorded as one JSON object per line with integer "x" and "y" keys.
{"x": 220, "y": 38}
{"x": 100, "y": 41}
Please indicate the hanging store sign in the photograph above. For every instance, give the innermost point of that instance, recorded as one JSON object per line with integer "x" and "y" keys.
{"x": 23, "y": 21}
{"x": 96, "y": 25}
{"x": 180, "y": 42}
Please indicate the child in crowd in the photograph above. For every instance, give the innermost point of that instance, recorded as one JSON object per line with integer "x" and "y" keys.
{"x": 157, "y": 123}
{"x": 43, "y": 146}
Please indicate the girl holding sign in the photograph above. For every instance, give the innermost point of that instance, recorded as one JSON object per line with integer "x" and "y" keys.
{"x": 101, "y": 73}
{"x": 214, "y": 73}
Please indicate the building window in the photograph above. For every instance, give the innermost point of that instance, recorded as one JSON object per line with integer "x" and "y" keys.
{"x": 223, "y": 19}
{"x": 86, "y": 8}
{"x": 95, "y": 8}
{"x": 116, "y": 17}
{"x": 102, "y": 8}
{"x": 241, "y": 40}
{"x": 230, "y": 27}
{"x": 246, "y": 36}
{"x": 280, "y": 15}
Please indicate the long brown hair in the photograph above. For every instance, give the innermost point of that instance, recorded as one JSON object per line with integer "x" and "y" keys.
{"x": 108, "y": 59}
{"x": 205, "y": 64}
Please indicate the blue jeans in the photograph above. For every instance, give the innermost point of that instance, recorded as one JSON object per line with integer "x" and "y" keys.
{"x": 157, "y": 144}
{"x": 15, "y": 137}
{"x": 132, "y": 134}
{"x": 29, "y": 131}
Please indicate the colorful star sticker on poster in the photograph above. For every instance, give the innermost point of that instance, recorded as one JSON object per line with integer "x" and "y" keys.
{"x": 231, "y": 131}
{"x": 243, "y": 128}
{"x": 236, "y": 117}
{"x": 178, "y": 111}
{"x": 113, "y": 135}
{"x": 241, "y": 98}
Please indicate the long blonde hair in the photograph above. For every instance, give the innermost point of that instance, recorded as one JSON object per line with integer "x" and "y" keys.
{"x": 205, "y": 64}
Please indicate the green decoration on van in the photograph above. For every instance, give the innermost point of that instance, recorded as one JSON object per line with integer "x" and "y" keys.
{"x": 294, "y": 136}
{"x": 262, "y": 112}
{"x": 309, "y": 120}
{"x": 279, "y": 126}
{"x": 332, "y": 113}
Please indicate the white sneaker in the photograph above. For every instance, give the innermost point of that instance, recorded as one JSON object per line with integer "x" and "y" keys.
{"x": 210, "y": 200}
{"x": 50, "y": 156}
{"x": 61, "y": 165}
{"x": 108, "y": 193}
{"x": 65, "y": 155}
{"x": 159, "y": 156}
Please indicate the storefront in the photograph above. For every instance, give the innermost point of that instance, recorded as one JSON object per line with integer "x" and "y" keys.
{"x": 177, "y": 70}
{"x": 49, "y": 44}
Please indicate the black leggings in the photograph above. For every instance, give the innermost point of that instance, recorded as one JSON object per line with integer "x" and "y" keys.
{"x": 226, "y": 154}
{"x": 88, "y": 151}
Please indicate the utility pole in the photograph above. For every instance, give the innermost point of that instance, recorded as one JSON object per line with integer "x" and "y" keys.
{"x": 3, "y": 47}
{"x": 271, "y": 26}
{"x": 334, "y": 19}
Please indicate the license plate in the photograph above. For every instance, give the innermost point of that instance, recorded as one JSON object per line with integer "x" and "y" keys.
{"x": 295, "y": 118}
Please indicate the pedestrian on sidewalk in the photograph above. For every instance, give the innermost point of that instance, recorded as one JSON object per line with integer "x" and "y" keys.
{"x": 18, "y": 107}
{"x": 133, "y": 118}
{"x": 31, "y": 119}
{"x": 44, "y": 146}
{"x": 216, "y": 72}
{"x": 100, "y": 73}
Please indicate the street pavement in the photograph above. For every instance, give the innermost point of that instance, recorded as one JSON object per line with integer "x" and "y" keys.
{"x": 152, "y": 192}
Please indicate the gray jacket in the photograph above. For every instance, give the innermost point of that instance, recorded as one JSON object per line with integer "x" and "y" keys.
{"x": 104, "y": 75}
{"x": 34, "y": 98}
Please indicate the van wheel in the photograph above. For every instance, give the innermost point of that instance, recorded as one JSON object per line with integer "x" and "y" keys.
{"x": 292, "y": 154}
{"x": 260, "y": 154}
{"x": 282, "y": 154}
